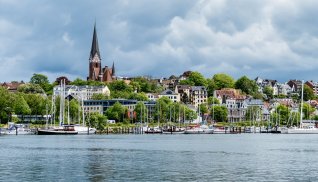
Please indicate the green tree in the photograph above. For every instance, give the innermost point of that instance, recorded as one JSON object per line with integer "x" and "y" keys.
{"x": 141, "y": 112}
{"x": 269, "y": 92}
{"x": 20, "y": 106}
{"x": 37, "y": 103}
{"x": 79, "y": 82}
{"x": 162, "y": 108}
{"x": 116, "y": 112}
{"x": 213, "y": 100}
{"x": 74, "y": 109}
{"x": 97, "y": 121}
{"x": 222, "y": 80}
{"x": 211, "y": 87}
{"x": 203, "y": 108}
{"x": 138, "y": 96}
{"x": 30, "y": 88}
{"x": 197, "y": 79}
{"x": 294, "y": 118}
{"x": 119, "y": 94}
{"x": 246, "y": 85}
{"x": 308, "y": 93}
{"x": 99, "y": 96}
{"x": 41, "y": 80}
{"x": 5, "y": 105}
{"x": 307, "y": 111}
{"x": 220, "y": 113}
{"x": 119, "y": 85}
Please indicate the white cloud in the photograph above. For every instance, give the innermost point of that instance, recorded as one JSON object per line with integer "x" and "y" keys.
{"x": 275, "y": 38}
{"x": 66, "y": 38}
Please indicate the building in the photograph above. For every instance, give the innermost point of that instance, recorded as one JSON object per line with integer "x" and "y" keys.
{"x": 236, "y": 109}
{"x": 228, "y": 93}
{"x": 283, "y": 89}
{"x": 313, "y": 85}
{"x": 262, "y": 83}
{"x": 175, "y": 97}
{"x": 100, "y": 106}
{"x": 184, "y": 91}
{"x": 12, "y": 87}
{"x": 96, "y": 72}
{"x": 81, "y": 92}
{"x": 152, "y": 96}
{"x": 198, "y": 95}
{"x": 295, "y": 85}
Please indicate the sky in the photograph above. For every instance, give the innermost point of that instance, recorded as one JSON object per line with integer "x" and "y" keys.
{"x": 274, "y": 39}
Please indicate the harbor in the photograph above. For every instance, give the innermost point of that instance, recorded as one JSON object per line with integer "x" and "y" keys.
{"x": 244, "y": 157}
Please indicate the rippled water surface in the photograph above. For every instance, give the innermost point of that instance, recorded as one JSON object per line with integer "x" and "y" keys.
{"x": 245, "y": 157}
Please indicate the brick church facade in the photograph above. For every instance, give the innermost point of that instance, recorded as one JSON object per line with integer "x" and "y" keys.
{"x": 96, "y": 72}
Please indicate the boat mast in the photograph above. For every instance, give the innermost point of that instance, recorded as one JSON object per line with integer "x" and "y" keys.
{"x": 61, "y": 110}
{"x": 301, "y": 104}
{"x": 68, "y": 108}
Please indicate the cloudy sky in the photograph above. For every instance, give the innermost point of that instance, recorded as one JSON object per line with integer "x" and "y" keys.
{"x": 276, "y": 39}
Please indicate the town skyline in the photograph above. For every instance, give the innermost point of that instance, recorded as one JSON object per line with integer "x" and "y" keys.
{"x": 273, "y": 39}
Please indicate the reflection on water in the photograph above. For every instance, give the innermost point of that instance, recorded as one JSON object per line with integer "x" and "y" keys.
{"x": 245, "y": 157}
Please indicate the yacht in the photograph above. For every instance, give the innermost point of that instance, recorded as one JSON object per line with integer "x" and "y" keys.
{"x": 64, "y": 130}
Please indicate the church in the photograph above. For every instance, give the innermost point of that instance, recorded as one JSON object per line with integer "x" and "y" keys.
{"x": 96, "y": 72}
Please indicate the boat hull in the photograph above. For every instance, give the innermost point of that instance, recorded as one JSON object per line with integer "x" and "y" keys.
{"x": 302, "y": 131}
{"x": 54, "y": 132}
{"x": 198, "y": 132}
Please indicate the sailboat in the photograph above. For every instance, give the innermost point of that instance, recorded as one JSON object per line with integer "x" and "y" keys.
{"x": 63, "y": 129}
{"x": 81, "y": 128}
{"x": 302, "y": 129}
{"x": 199, "y": 128}
{"x": 174, "y": 129}
{"x": 155, "y": 129}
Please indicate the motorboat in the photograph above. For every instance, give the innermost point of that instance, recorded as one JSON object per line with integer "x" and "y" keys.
{"x": 17, "y": 129}
{"x": 154, "y": 130}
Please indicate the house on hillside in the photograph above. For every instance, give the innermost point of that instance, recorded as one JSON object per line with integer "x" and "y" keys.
{"x": 175, "y": 97}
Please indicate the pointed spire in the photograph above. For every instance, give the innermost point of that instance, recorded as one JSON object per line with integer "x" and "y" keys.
{"x": 95, "y": 47}
{"x": 113, "y": 69}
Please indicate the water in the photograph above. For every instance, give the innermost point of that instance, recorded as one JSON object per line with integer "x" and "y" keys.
{"x": 242, "y": 157}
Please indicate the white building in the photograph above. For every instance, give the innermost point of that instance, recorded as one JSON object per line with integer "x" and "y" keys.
{"x": 171, "y": 95}
{"x": 81, "y": 92}
{"x": 152, "y": 96}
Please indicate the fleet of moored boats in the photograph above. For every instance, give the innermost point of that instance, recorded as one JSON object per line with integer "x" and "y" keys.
{"x": 24, "y": 129}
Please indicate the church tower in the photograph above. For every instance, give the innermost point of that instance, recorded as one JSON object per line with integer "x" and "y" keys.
{"x": 95, "y": 68}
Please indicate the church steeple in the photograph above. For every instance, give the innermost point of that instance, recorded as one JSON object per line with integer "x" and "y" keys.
{"x": 95, "y": 68}
{"x": 95, "y": 47}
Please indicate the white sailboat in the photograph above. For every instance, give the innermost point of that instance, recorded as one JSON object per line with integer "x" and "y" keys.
{"x": 302, "y": 129}
{"x": 200, "y": 128}
{"x": 81, "y": 128}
